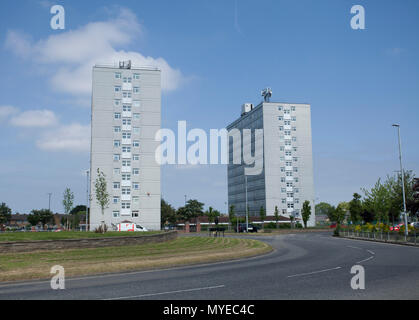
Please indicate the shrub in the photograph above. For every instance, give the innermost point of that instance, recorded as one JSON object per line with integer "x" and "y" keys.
{"x": 284, "y": 226}
{"x": 270, "y": 225}
{"x": 101, "y": 229}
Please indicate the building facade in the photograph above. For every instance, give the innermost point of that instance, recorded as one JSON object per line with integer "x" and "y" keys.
{"x": 286, "y": 180}
{"x": 126, "y": 115}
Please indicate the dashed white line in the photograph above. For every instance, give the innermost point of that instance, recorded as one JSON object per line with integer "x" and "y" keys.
{"x": 167, "y": 292}
{"x": 366, "y": 259}
{"x": 314, "y": 272}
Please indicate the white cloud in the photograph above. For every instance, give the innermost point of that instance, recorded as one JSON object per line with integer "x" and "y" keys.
{"x": 7, "y": 111}
{"x": 75, "y": 52}
{"x": 35, "y": 119}
{"x": 69, "y": 138}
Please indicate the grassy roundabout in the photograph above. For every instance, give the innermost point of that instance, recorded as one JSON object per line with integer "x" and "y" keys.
{"x": 182, "y": 251}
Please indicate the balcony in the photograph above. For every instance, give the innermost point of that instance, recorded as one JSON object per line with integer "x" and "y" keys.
{"x": 126, "y": 197}
{"x": 289, "y": 179}
{"x": 126, "y": 212}
{"x": 127, "y": 87}
{"x": 290, "y": 189}
{"x": 126, "y": 100}
{"x": 126, "y": 114}
{"x": 126, "y": 141}
{"x": 126, "y": 183}
{"x": 289, "y": 200}
{"x": 287, "y": 117}
{"x": 126, "y": 128}
{"x": 126, "y": 155}
{"x": 288, "y": 168}
{"x": 126, "y": 169}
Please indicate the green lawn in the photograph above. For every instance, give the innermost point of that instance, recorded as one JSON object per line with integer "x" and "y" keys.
{"x": 30, "y": 236}
{"x": 182, "y": 251}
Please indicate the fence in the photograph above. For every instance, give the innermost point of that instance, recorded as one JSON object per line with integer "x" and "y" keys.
{"x": 381, "y": 236}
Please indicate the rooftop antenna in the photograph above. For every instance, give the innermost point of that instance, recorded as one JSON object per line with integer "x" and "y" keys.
{"x": 267, "y": 94}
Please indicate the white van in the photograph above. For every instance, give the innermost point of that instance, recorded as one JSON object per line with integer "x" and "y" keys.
{"x": 132, "y": 227}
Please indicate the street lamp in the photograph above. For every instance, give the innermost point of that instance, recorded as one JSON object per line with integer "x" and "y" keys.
{"x": 406, "y": 231}
{"x": 247, "y": 208}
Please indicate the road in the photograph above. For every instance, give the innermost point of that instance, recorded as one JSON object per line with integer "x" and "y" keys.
{"x": 303, "y": 266}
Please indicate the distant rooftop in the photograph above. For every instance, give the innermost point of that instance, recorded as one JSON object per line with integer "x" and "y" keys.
{"x": 125, "y": 65}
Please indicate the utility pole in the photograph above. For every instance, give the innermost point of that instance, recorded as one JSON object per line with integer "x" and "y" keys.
{"x": 406, "y": 229}
{"x": 247, "y": 208}
{"x": 49, "y": 201}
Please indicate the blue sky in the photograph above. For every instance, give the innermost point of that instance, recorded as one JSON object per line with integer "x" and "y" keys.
{"x": 216, "y": 55}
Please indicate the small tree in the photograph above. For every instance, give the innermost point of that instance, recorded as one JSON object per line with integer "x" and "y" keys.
{"x": 68, "y": 201}
{"x": 102, "y": 195}
{"x": 231, "y": 214}
{"x": 306, "y": 212}
{"x": 5, "y": 213}
{"x": 276, "y": 215}
{"x": 42, "y": 216}
{"x": 355, "y": 208}
{"x": 262, "y": 215}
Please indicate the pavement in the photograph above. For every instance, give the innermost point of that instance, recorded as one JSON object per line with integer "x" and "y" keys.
{"x": 302, "y": 266}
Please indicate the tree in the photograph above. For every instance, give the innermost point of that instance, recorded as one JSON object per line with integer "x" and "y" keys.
{"x": 5, "y": 213}
{"x": 231, "y": 213}
{"x": 168, "y": 213}
{"x": 262, "y": 215}
{"x": 306, "y": 212}
{"x": 378, "y": 201}
{"x": 340, "y": 212}
{"x": 276, "y": 215}
{"x": 42, "y": 216}
{"x": 68, "y": 201}
{"x": 78, "y": 208}
{"x": 193, "y": 209}
{"x": 102, "y": 195}
{"x": 212, "y": 214}
{"x": 355, "y": 208}
{"x": 323, "y": 208}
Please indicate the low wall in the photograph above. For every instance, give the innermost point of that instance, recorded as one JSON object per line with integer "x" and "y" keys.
{"x": 411, "y": 240}
{"x": 29, "y": 246}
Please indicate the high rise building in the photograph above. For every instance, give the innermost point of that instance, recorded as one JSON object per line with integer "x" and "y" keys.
{"x": 286, "y": 180}
{"x": 126, "y": 114}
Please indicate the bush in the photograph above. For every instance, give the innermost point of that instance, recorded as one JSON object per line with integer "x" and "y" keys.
{"x": 284, "y": 226}
{"x": 101, "y": 229}
{"x": 270, "y": 225}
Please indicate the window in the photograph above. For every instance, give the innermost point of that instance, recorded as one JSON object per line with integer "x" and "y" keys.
{"x": 296, "y": 179}
{"x": 280, "y": 108}
{"x": 295, "y": 169}
{"x": 135, "y": 171}
{"x": 115, "y": 214}
{"x": 281, "y": 148}
{"x": 126, "y": 108}
{"x": 116, "y": 129}
{"x": 288, "y": 174}
{"x": 282, "y": 158}
{"x": 295, "y": 159}
{"x": 126, "y": 177}
{"x": 117, "y": 75}
{"x": 126, "y": 191}
{"x": 282, "y": 169}
{"x": 288, "y": 163}
{"x": 126, "y": 205}
{"x": 290, "y": 195}
{"x": 135, "y": 157}
{"x": 296, "y": 190}
{"x": 136, "y": 76}
{"x": 136, "y": 130}
{"x": 136, "y": 90}
{"x": 287, "y": 111}
{"x": 117, "y": 115}
{"x": 126, "y": 122}
{"x": 135, "y": 200}
{"x": 127, "y": 80}
{"x": 288, "y": 143}
{"x": 292, "y": 108}
{"x": 116, "y": 185}
{"x": 115, "y": 200}
{"x": 294, "y": 149}
{"x": 136, "y": 143}
{"x": 289, "y": 184}
{"x": 294, "y": 118}
{"x": 116, "y": 171}
{"x": 281, "y": 138}
{"x": 280, "y": 118}
{"x": 288, "y": 153}
{"x": 126, "y": 94}
{"x": 136, "y": 103}
{"x": 126, "y": 163}
{"x": 116, "y": 157}
{"x": 281, "y": 128}
{"x": 287, "y": 122}
{"x": 126, "y": 135}
{"x": 283, "y": 190}
{"x": 126, "y": 149}
{"x": 290, "y": 206}
{"x": 136, "y": 116}
{"x": 284, "y": 200}
{"x": 294, "y": 128}
{"x": 136, "y": 186}
{"x": 297, "y": 200}
{"x": 117, "y": 88}
{"x": 287, "y": 132}
{"x": 117, "y": 143}
{"x": 117, "y": 102}
{"x": 282, "y": 179}
{"x": 294, "y": 139}
{"x": 135, "y": 214}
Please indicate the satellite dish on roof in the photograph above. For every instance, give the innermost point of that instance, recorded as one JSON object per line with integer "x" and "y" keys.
{"x": 267, "y": 94}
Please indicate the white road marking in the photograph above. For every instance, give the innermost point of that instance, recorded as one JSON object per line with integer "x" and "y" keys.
{"x": 314, "y": 272}
{"x": 366, "y": 259}
{"x": 354, "y": 247}
{"x": 372, "y": 252}
{"x": 167, "y": 292}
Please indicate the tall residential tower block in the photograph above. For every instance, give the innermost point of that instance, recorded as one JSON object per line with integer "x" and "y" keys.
{"x": 126, "y": 115}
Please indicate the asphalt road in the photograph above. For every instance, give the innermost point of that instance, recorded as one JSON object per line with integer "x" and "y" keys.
{"x": 303, "y": 266}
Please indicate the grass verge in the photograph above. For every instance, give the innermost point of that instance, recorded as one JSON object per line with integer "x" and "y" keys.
{"x": 182, "y": 251}
{"x": 33, "y": 236}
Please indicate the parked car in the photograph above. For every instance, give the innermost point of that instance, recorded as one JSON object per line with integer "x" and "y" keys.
{"x": 242, "y": 228}
{"x": 132, "y": 227}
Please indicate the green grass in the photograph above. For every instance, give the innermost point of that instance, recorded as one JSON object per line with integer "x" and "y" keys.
{"x": 31, "y": 236}
{"x": 184, "y": 250}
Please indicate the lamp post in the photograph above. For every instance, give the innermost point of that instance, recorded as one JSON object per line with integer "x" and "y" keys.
{"x": 49, "y": 201}
{"x": 247, "y": 208}
{"x": 406, "y": 231}
{"x": 87, "y": 197}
